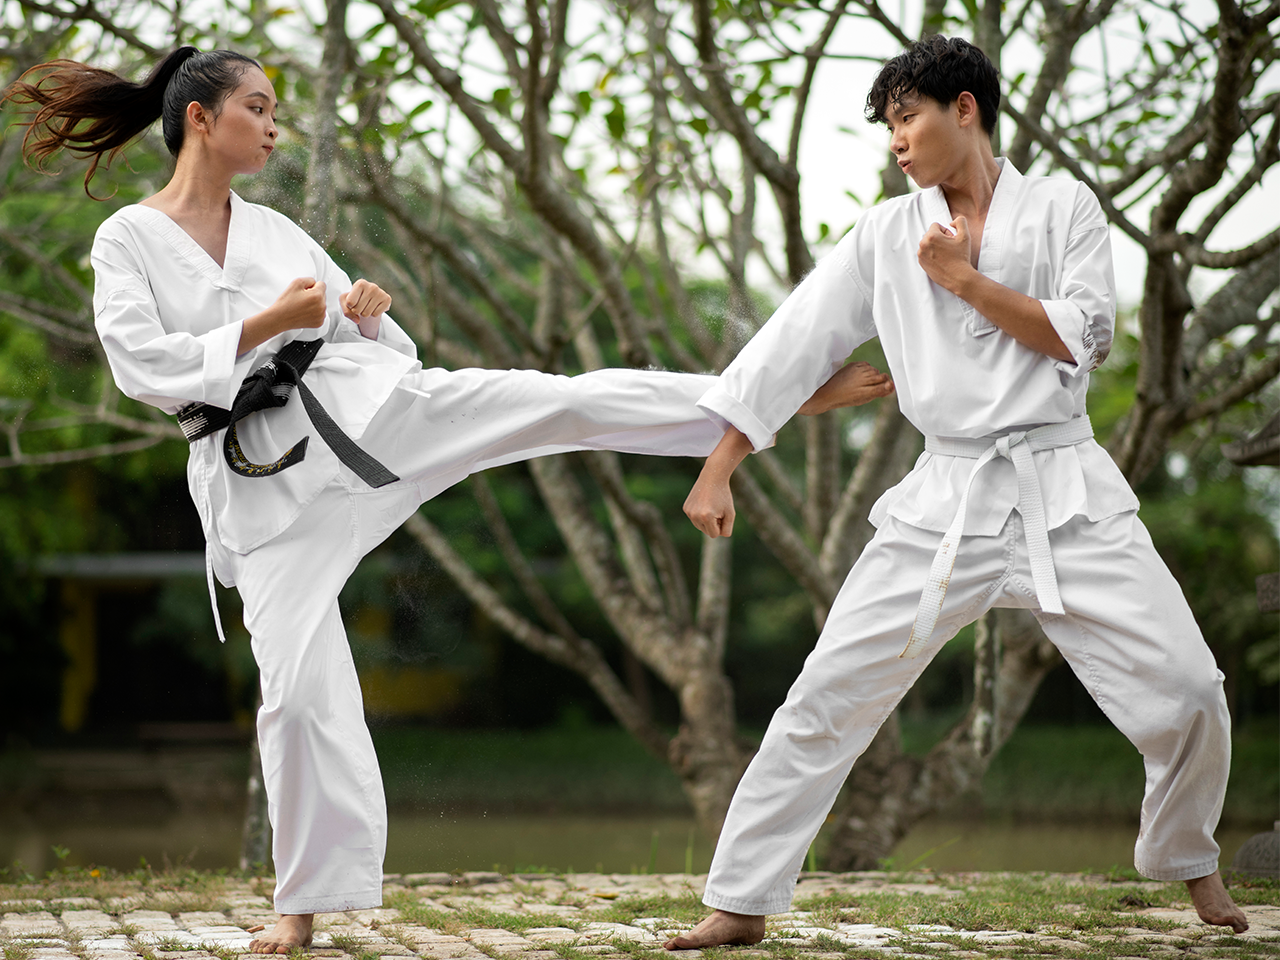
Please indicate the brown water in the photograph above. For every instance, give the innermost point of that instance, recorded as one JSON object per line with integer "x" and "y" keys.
{"x": 633, "y": 844}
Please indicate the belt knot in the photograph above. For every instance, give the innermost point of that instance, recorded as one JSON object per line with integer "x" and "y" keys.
{"x": 1009, "y": 440}
{"x": 1017, "y": 447}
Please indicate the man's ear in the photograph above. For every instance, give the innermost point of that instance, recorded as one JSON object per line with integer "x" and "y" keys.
{"x": 967, "y": 109}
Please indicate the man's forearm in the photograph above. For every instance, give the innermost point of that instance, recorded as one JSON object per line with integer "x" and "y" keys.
{"x": 710, "y": 503}
{"x": 729, "y": 452}
{"x": 1018, "y": 315}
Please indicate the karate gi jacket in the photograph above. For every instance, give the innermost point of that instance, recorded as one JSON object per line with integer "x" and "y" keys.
{"x": 170, "y": 321}
{"x": 956, "y": 373}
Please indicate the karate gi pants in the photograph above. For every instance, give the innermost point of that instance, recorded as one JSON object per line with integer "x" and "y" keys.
{"x": 324, "y": 790}
{"x": 1127, "y": 633}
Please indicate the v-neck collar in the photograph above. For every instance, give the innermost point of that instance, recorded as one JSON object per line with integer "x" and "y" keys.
{"x": 991, "y": 254}
{"x": 230, "y": 275}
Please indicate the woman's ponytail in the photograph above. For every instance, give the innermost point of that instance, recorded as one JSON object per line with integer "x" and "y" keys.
{"x": 93, "y": 112}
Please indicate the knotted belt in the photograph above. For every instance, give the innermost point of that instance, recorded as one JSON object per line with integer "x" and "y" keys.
{"x": 271, "y": 386}
{"x": 1017, "y": 447}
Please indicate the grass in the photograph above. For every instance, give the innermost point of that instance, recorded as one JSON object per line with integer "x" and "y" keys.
{"x": 686, "y": 909}
{"x": 1020, "y": 902}
{"x": 351, "y": 945}
{"x": 590, "y": 769}
{"x": 1095, "y": 772}
{"x": 1096, "y": 917}
{"x": 466, "y": 918}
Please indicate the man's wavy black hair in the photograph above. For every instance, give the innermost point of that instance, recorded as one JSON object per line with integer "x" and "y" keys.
{"x": 940, "y": 68}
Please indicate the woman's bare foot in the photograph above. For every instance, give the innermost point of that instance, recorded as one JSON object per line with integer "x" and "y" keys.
{"x": 1214, "y": 904}
{"x": 852, "y": 385}
{"x": 290, "y": 932}
{"x": 720, "y": 929}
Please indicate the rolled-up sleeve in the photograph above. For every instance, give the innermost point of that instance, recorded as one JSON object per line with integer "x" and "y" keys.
{"x": 166, "y": 370}
{"x": 806, "y": 340}
{"x": 1084, "y": 312}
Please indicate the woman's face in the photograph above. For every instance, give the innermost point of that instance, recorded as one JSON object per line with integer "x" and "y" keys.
{"x": 243, "y": 134}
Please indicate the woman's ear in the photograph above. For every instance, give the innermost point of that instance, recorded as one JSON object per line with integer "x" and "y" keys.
{"x": 198, "y": 118}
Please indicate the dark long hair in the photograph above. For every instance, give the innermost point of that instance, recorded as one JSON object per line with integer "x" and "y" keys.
{"x": 93, "y": 112}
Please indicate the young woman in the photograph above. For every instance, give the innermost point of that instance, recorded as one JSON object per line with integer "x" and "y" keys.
{"x": 211, "y": 308}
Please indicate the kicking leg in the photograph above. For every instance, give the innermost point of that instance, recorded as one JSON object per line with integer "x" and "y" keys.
{"x": 440, "y": 425}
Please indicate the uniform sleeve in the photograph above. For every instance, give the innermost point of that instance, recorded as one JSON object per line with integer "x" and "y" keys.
{"x": 166, "y": 370}
{"x": 1084, "y": 314}
{"x": 806, "y": 340}
{"x": 341, "y": 329}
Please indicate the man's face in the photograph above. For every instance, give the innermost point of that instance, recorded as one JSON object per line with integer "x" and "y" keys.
{"x": 924, "y": 137}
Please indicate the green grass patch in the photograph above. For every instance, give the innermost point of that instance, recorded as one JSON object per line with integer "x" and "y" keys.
{"x": 587, "y": 769}
{"x": 1023, "y": 903}
{"x": 687, "y": 908}
{"x": 1095, "y": 771}
{"x": 412, "y": 910}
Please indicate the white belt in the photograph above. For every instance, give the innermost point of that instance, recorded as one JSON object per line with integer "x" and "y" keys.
{"x": 1017, "y": 447}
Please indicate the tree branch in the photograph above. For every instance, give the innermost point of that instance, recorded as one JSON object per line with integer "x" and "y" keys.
{"x": 1053, "y": 145}
{"x": 87, "y": 11}
{"x": 783, "y": 542}
{"x": 1238, "y": 391}
{"x": 812, "y": 56}
{"x": 1230, "y": 259}
{"x": 20, "y": 459}
{"x": 583, "y": 659}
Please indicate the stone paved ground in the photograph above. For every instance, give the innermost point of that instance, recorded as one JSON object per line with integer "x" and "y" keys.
{"x": 477, "y": 916}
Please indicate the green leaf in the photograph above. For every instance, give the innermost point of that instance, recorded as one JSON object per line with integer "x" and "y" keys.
{"x": 617, "y": 119}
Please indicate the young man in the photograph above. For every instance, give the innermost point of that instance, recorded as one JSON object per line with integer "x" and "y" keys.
{"x": 993, "y": 297}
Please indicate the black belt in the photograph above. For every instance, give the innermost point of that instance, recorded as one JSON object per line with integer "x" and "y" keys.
{"x": 270, "y": 386}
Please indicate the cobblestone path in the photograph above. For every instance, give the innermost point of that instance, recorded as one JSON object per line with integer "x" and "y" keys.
{"x": 477, "y": 916}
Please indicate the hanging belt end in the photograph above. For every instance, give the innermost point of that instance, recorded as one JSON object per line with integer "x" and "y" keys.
{"x": 1053, "y": 607}
{"x": 913, "y": 647}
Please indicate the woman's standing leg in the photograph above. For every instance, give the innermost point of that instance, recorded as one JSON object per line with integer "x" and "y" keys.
{"x": 324, "y": 789}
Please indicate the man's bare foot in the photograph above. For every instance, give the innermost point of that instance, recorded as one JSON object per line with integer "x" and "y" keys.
{"x": 1214, "y": 904}
{"x": 852, "y": 385}
{"x": 290, "y": 932}
{"x": 720, "y": 929}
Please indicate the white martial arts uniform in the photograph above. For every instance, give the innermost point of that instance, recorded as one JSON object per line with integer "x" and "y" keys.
{"x": 170, "y": 320}
{"x": 1123, "y": 624}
